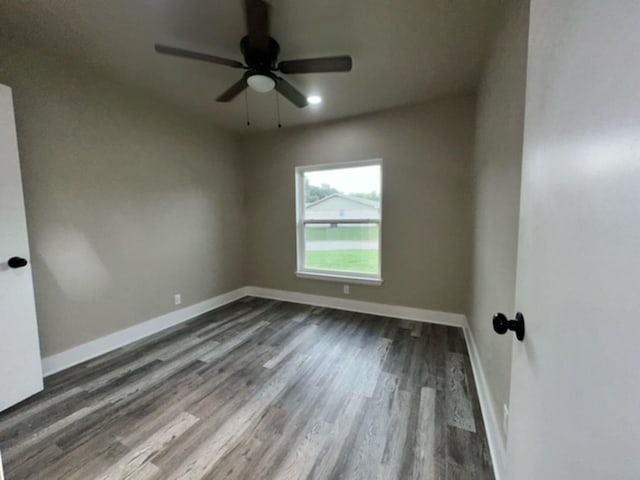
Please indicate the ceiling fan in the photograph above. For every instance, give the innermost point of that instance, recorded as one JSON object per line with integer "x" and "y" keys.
{"x": 260, "y": 52}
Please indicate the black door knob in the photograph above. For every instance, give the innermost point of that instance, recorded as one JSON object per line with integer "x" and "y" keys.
{"x": 17, "y": 262}
{"x": 501, "y": 324}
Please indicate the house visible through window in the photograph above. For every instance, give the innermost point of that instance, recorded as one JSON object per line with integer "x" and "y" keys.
{"x": 339, "y": 221}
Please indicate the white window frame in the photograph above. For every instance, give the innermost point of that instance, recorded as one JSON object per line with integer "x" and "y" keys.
{"x": 333, "y": 275}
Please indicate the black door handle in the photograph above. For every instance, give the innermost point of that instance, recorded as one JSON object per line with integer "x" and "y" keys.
{"x": 501, "y": 324}
{"x": 17, "y": 262}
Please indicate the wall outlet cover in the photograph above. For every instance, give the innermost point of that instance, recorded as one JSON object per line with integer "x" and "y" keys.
{"x": 177, "y": 299}
{"x": 346, "y": 289}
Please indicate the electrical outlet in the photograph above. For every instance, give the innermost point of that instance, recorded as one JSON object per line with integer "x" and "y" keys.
{"x": 177, "y": 299}
{"x": 505, "y": 419}
{"x": 346, "y": 290}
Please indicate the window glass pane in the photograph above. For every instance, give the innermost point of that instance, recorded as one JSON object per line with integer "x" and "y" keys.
{"x": 346, "y": 193}
{"x": 342, "y": 248}
{"x": 346, "y": 204}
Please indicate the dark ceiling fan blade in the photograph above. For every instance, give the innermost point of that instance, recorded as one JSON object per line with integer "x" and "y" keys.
{"x": 233, "y": 91}
{"x": 316, "y": 65}
{"x": 179, "y": 52}
{"x": 257, "y": 12}
{"x": 291, "y": 93}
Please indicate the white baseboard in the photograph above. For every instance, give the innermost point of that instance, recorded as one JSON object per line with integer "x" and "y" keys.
{"x": 491, "y": 418}
{"x": 384, "y": 310}
{"x": 99, "y": 346}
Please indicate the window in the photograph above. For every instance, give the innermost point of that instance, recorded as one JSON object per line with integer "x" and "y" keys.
{"x": 339, "y": 221}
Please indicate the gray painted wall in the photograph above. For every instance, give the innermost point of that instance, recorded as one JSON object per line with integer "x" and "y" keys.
{"x": 128, "y": 201}
{"x": 497, "y": 164}
{"x": 426, "y": 211}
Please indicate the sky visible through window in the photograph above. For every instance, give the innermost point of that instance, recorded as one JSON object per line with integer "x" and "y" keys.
{"x": 348, "y": 180}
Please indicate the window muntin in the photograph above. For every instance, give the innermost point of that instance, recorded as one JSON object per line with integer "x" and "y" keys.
{"x": 339, "y": 210}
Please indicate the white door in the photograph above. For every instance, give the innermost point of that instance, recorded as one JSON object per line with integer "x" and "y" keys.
{"x": 575, "y": 385}
{"x": 20, "y": 367}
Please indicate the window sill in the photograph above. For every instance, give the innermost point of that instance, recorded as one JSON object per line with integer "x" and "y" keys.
{"x": 335, "y": 277}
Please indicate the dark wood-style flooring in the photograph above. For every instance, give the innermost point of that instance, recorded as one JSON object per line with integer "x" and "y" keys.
{"x": 260, "y": 389}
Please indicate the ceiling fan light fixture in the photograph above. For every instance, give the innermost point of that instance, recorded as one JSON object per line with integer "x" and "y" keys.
{"x": 261, "y": 83}
{"x": 261, "y": 60}
{"x": 314, "y": 99}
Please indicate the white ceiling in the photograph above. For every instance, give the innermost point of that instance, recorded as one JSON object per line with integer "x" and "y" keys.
{"x": 404, "y": 51}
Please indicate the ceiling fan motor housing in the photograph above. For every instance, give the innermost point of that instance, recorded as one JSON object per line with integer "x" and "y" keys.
{"x": 263, "y": 61}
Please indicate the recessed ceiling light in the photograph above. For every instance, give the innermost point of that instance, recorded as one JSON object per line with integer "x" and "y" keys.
{"x": 314, "y": 99}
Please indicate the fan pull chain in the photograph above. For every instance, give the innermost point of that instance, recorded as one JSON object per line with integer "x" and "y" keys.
{"x": 278, "y": 109}
{"x": 246, "y": 107}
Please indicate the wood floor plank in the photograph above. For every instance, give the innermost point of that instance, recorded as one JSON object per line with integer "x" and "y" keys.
{"x": 17, "y": 417}
{"x": 370, "y": 364}
{"x": 115, "y": 403}
{"x": 425, "y": 460}
{"x": 416, "y": 331}
{"x": 460, "y": 410}
{"x": 243, "y": 317}
{"x": 77, "y": 465}
{"x": 465, "y": 457}
{"x": 212, "y": 448}
{"x": 366, "y": 460}
{"x": 223, "y": 349}
{"x": 136, "y": 463}
{"x": 342, "y": 435}
{"x": 305, "y": 406}
{"x": 398, "y": 430}
{"x": 151, "y": 413}
{"x": 301, "y": 458}
{"x": 14, "y": 451}
{"x": 298, "y": 340}
{"x": 248, "y": 457}
{"x": 260, "y": 389}
{"x": 32, "y": 462}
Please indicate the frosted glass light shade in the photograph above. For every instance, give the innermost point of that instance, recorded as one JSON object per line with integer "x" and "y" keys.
{"x": 261, "y": 83}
